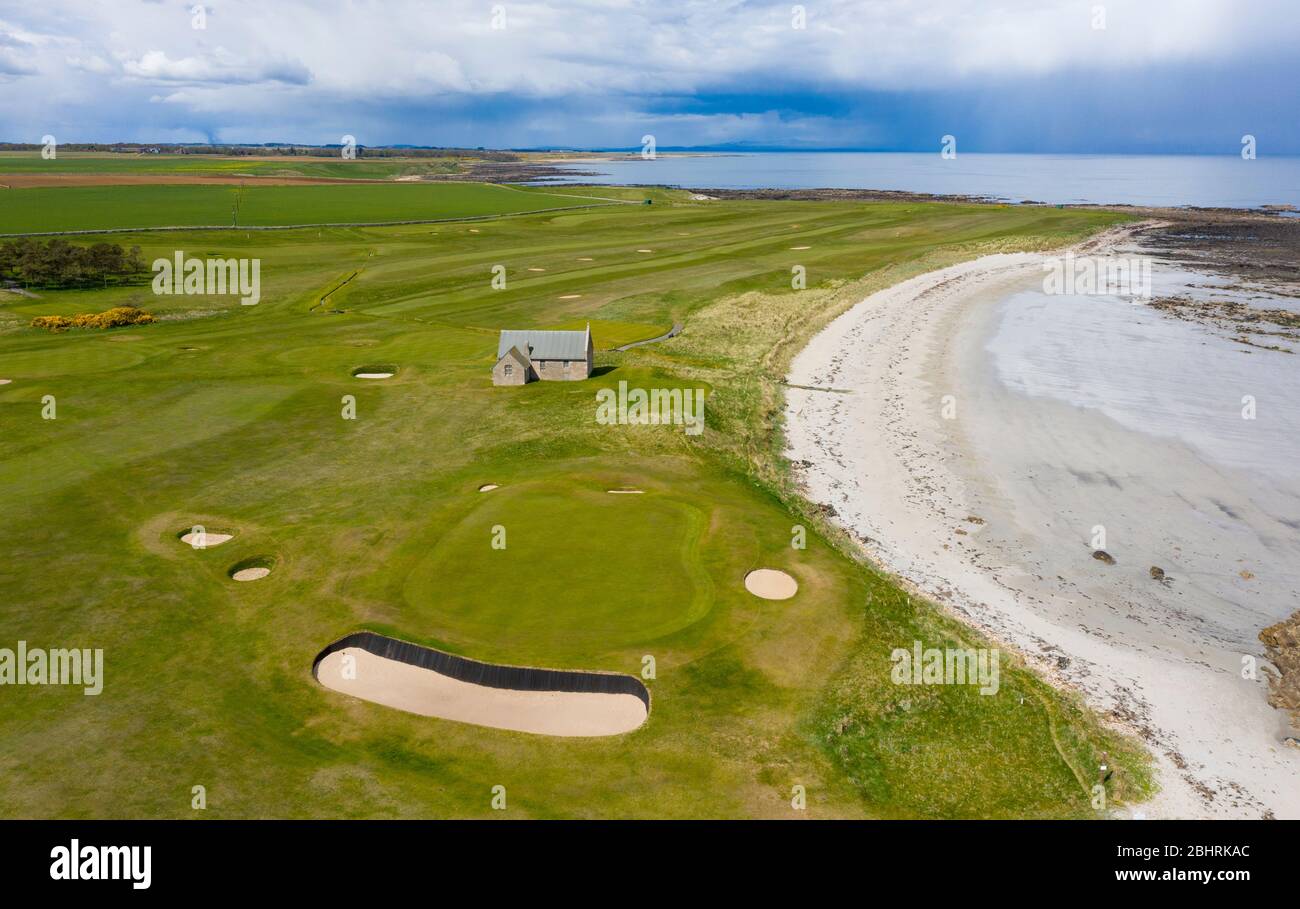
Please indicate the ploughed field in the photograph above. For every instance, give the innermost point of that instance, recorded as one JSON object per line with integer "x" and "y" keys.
{"x": 233, "y": 417}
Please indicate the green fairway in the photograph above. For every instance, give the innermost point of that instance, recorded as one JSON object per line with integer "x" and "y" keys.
{"x": 235, "y": 417}
{"x": 68, "y": 208}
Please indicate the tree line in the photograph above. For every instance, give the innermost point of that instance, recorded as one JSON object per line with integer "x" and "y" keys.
{"x": 60, "y": 264}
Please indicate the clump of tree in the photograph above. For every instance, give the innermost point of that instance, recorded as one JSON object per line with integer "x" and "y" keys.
{"x": 60, "y": 264}
{"x": 112, "y": 318}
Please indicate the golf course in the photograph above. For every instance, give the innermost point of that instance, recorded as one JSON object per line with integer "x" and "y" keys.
{"x": 360, "y": 498}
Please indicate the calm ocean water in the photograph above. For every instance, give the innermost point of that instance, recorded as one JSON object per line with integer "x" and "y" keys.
{"x": 1217, "y": 181}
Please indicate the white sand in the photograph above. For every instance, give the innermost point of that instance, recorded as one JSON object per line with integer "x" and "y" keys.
{"x": 373, "y": 375}
{"x": 586, "y": 259}
{"x": 537, "y": 269}
{"x": 771, "y": 584}
{"x": 488, "y": 487}
{"x": 801, "y": 247}
{"x": 5, "y": 381}
{"x": 645, "y": 250}
{"x": 206, "y": 540}
{"x": 625, "y": 492}
{"x": 250, "y": 574}
{"x": 428, "y": 693}
{"x": 1164, "y": 658}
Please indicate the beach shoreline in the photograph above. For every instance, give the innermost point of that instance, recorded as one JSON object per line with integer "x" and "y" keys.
{"x": 988, "y": 514}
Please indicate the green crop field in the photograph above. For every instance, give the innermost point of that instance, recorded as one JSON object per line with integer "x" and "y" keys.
{"x": 72, "y": 208}
{"x": 233, "y": 417}
{"x": 31, "y": 162}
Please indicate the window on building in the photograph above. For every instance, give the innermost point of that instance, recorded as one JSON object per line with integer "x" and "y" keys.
{"x": 509, "y": 370}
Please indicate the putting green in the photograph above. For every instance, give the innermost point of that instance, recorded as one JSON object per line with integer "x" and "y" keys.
{"x": 581, "y": 572}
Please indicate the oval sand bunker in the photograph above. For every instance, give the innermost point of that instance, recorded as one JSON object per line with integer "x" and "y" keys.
{"x": 205, "y": 540}
{"x": 771, "y": 584}
{"x": 488, "y": 487}
{"x": 375, "y": 371}
{"x": 429, "y": 682}
{"x": 251, "y": 569}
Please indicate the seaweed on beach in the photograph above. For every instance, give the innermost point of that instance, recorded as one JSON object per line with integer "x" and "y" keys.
{"x": 1283, "y": 643}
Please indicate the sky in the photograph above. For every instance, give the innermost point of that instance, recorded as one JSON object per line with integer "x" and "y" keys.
{"x": 1125, "y": 76}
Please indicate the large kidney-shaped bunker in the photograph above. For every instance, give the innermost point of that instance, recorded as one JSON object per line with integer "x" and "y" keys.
{"x": 429, "y": 682}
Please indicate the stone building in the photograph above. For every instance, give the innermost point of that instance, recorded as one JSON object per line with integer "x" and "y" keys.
{"x": 526, "y": 356}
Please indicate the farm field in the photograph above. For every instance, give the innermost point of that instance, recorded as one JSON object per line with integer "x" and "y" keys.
{"x": 73, "y": 208}
{"x": 232, "y": 417}
{"x": 65, "y": 162}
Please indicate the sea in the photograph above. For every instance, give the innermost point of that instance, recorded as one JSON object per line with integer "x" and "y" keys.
{"x": 1209, "y": 181}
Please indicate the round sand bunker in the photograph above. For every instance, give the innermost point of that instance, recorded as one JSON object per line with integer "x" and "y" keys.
{"x": 251, "y": 569}
{"x": 770, "y": 584}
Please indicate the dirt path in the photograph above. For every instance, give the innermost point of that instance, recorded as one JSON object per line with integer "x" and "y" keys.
{"x": 671, "y": 333}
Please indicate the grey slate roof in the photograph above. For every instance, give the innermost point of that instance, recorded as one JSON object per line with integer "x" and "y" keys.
{"x": 545, "y": 345}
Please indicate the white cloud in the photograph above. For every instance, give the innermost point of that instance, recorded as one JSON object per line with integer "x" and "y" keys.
{"x": 255, "y": 59}
{"x": 220, "y": 66}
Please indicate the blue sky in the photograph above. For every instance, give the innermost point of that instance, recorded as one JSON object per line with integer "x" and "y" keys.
{"x": 1169, "y": 76}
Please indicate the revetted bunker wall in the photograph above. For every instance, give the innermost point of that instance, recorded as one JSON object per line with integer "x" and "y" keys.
{"x": 519, "y": 678}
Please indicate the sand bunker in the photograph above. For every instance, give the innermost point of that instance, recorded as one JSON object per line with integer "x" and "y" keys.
{"x": 205, "y": 540}
{"x": 253, "y": 569}
{"x": 625, "y": 492}
{"x": 488, "y": 487}
{"x": 570, "y": 296}
{"x": 801, "y": 247}
{"x": 537, "y": 269}
{"x": 5, "y": 381}
{"x": 374, "y": 372}
{"x": 771, "y": 584}
{"x": 645, "y": 250}
{"x": 428, "y": 682}
{"x": 586, "y": 259}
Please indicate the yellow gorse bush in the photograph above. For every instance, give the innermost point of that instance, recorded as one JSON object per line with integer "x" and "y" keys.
{"x": 112, "y": 318}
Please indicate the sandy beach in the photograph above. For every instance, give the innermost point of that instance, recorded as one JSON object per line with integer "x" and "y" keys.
{"x": 974, "y": 439}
